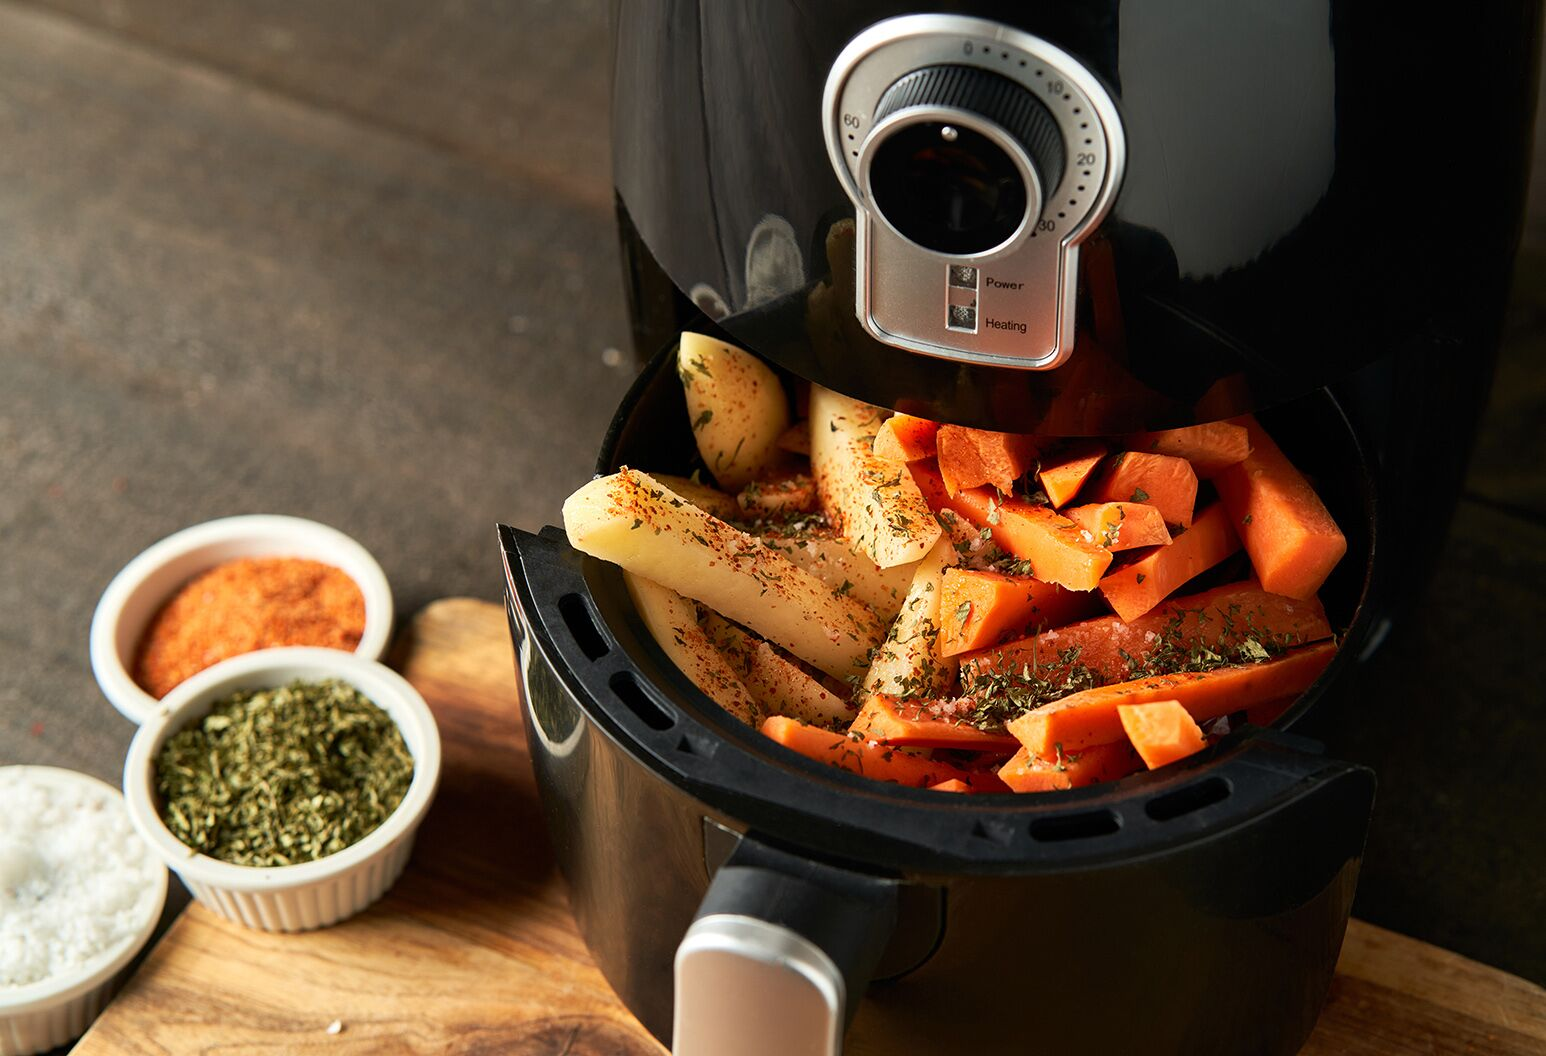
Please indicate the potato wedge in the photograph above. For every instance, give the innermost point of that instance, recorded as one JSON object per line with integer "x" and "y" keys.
{"x": 633, "y": 521}
{"x": 711, "y": 500}
{"x": 777, "y": 685}
{"x": 673, "y": 620}
{"x": 872, "y": 503}
{"x": 819, "y": 550}
{"x": 778, "y": 492}
{"x": 736, "y": 406}
{"x": 909, "y": 662}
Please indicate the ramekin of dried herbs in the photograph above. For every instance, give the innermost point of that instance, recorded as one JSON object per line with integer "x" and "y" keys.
{"x": 285, "y": 786}
{"x": 233, "y": 586}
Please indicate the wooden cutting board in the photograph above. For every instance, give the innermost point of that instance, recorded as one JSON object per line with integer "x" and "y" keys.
{"x": 474, "y": 950}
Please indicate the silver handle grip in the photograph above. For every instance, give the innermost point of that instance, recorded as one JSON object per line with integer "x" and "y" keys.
{"x": 747, "y": 987}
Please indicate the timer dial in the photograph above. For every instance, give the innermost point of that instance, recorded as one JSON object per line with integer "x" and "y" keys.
{"x": 961, "y": 158}
{"x": 978, "y": 158}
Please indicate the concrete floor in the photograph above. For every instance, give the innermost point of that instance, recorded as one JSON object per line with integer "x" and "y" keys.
{"x": 356, "y": 262}
{"x": 225, "y": 298}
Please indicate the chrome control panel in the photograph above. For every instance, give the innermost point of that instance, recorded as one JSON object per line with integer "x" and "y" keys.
{"x": 977, "y": 157}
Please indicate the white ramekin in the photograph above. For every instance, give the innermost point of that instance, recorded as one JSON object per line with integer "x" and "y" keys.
{"x": 54, "y": 1011}
{"x": 145, "y": 583}
{"x": 312, "y": 894}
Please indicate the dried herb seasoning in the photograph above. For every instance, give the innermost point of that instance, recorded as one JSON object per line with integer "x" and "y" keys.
{"x": 1004, "y": 695}
{"x": 282, "y": 776}
{"x": 1238, "y": 642}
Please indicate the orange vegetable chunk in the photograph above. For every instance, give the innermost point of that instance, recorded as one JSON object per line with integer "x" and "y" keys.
{"x": 970, "y": 458}
{"x": 1102, "y": 762}
{"x": 903, "y": 438}
{"x": 925, "y": 724}
{"x": 979, "y": 609}
{"x": 1080, "y": 720}
{"x": 1209, "y": 447}
{"x": 1163, "y": 481}
{"x": 1063, "y": 475}
{"x": 1221, "y": 618}
{"x": 1054, "y": 545}
{"x": 878, "y": 761}
{"x": 1121, "y": 525}
{"x": 1293, "y": 542}
{"x": 1161, "y": 731}
{"x": 955, "y": 784}
{"x": 796, "y": 439}
{"x": 1134, "y": 589}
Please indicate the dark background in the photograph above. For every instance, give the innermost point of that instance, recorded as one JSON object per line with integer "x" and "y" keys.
{"x": 355, "y": 261}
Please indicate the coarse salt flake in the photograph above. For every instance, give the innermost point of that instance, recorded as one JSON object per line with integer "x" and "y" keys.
{"x": 76, "y": 880}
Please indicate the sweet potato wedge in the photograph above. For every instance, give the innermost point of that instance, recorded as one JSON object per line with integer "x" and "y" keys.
{"x": 1221, "y": 619}
{"x": 926, "y": 724}
{"x": 1121, "y": 525}
{"x": 1025, "y": 772}
{"x": 971, "y": 458}
{"x": 1209, "y": 447}
{"x": 1088, "y": 718}
{"x": 1165, "y": 482}
{"x": 980, "y": 609}
{"x": 1055, "y": 546}
{"x": 877, "y": 761}
{"x": 1293, "y": 541}
{"x": 903, "y": 438}
{"x": 1134, "y": 589}
{"x": 1063, "y": 474}
{"x": 1161, "y": 731}
{"x": 796, "y": 439}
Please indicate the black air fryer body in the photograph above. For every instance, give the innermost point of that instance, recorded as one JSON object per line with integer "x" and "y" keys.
{"x": 1300, "y": 195}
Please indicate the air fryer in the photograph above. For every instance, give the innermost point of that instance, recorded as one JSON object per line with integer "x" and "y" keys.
{"x": 1076, "y": 219}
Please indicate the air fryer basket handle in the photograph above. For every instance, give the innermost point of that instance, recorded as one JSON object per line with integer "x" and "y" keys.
{"x": 780, "y": 951}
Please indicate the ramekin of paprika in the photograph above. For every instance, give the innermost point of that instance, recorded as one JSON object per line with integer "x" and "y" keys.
{"x": 138, "y": 593}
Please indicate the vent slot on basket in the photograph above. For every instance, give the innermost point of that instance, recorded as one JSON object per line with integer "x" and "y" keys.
{"x": 1084, "y": 826}
{"x": 650, "y": 712}
{"x": 1193, "y": 797}
{"x": 582, "y": 626}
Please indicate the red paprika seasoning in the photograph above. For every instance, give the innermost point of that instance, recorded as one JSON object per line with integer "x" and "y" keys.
{"x": 244, "y": 605}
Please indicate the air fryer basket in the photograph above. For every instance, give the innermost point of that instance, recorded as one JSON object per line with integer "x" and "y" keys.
{"x": 651, "y": 432}
{"x": 1239, "y": 863}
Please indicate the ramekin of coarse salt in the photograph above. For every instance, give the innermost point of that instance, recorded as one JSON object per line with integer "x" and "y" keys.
{"x": 80, "y": 893}
{"x": 310, "y": 894}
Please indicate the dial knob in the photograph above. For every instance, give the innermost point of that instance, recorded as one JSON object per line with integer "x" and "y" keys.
{"x": 959, "y": 158}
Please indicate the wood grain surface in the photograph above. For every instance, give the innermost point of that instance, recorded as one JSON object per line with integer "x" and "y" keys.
{"x": 474, "y": 951}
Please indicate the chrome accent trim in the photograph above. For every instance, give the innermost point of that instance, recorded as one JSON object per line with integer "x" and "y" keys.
{"x": 906, "y": 312}
{"x": 705, "y": 1018}
{"x": 913, "y": 115}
